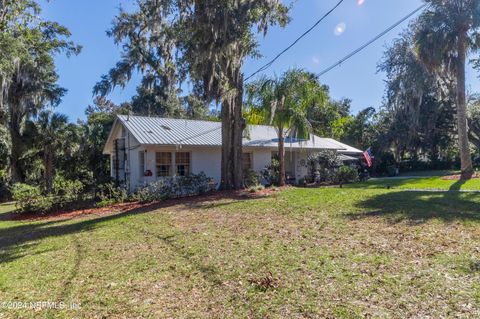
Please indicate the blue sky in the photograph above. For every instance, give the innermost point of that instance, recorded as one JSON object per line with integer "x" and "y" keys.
{"x": 356, "y": 79}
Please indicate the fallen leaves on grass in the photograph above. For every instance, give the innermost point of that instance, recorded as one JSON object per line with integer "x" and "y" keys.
{"x": 459, "y": 177}
{"x": 265, "y": 283}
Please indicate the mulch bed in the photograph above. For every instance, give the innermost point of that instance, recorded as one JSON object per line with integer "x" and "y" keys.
{"x": 138, "y": 206}
{"x": 459, "y": 177}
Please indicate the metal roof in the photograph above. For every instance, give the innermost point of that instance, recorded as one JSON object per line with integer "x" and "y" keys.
{"x": 346, "y": 149}
{"x": 346, "y": 158}
{"x": 166, "y": 131}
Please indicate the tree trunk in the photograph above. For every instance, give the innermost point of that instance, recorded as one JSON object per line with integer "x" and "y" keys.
{"x": 227, "y": 161}
{"x": 464, "y": 146}
{"x": 233, "y": 125}
{"x": 16, "y": 175}
{"x": 238, "y": 127}
{"x": 49, "y": 168}
{"x": 281, "y": 157}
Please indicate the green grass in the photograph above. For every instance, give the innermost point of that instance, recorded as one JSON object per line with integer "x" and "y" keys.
{"x": 6, "y": 207}
{"x": 302, "y": 253}
{"x": 431, "y": 173}
{"x": 426, "y": 183}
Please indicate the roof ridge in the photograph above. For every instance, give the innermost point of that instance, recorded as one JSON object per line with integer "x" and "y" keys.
{"x": 123, "y": 116}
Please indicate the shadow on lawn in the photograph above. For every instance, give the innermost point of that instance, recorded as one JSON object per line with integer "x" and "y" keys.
{"x": 420, "y": 206}
{"x": 19, "y": 240}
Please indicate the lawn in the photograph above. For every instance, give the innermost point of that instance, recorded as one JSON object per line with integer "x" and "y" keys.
{"x": 423, "y": 183}
{"x": 300, "y": 253}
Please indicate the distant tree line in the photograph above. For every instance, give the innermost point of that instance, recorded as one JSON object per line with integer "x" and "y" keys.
{"x": 426, "y": 116}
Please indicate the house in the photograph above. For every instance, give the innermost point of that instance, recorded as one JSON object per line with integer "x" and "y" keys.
{"x": 143, "y": 149}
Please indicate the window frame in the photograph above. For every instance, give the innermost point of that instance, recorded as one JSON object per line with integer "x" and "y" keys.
{"x": 187, "y": 164}
{"x": 159, "y": 165}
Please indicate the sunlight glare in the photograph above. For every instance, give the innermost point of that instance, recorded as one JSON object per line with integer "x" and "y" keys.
{"x": 360, "y": 2}
{"x": 340, "y": 28}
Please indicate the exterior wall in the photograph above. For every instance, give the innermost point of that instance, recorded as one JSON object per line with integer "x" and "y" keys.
{"x": 261, "y": 158}
{"x": 132, "y": 146}
{"x": 134, "y": 169}
{"x": 301, "y": 169}
{"x": 208, "y": 161}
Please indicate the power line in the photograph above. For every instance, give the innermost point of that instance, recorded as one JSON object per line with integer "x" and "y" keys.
{"x": 347, "y": 57}
{"x": 266, "y": 66}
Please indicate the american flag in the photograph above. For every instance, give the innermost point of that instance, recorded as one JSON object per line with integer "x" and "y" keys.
{"x": 368, "y": 157}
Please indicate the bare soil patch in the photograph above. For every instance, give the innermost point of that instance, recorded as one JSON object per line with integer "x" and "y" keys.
{"x": 459, "y": 177}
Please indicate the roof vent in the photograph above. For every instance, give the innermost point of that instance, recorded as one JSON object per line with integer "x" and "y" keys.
{"x": 165, "y": 127}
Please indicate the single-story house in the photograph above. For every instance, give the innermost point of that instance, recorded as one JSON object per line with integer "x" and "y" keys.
{"x": 143, "y": 149}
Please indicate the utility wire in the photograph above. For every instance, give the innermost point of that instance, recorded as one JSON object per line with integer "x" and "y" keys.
{"x": 347, "y": 57}
{"x": 266, "y": 66}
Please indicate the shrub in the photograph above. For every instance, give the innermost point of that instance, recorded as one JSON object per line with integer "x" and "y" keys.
{"x": 302, "y": 181}
{"x": 175, "y": 187}
{"x": 250, "y": 178}
{"x": 347, "y": 174}
{"x": 256, "y": 188}
{"x": 110, "y": 194}
{"x": 5, "y": 193}
{"x": 66, "y": 191}
{"x": 382, "y": 161}
{"x": 31, "y": 199}
{"x": 271, "y": 172}
{"x": 392, "y": 170}
{"x": 321, "y": 166}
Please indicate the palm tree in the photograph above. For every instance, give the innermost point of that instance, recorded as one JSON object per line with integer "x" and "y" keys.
{"x": 283, "y": 102}
{"x": 51, "y": 129}
{"x": 445, "y": 33}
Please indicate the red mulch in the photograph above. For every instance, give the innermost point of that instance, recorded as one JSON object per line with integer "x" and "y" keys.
{"x": 459, "y": 177}
{"x": 138, "y": 206}
{"x": 68, "y": 214}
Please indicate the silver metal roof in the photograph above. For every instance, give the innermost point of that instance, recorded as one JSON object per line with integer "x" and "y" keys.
{"x": 166, "y": 131}
{"x": 345, "y": 158}
{"x": 346, "y": 149}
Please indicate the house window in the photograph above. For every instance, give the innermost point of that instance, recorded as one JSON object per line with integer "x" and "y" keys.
{"x": 164, "y": 164}
{"x": 247, "y": 161}
{"x": 182, "y": 161}
{"x": 141, "y": 161}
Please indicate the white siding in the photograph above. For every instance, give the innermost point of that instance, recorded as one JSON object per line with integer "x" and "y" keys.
{"x": 301, "y": 169}
{"x": 208, "y": 161}
{"x": 261, "y": 158}
{"x": 150, "y": 165}
{"x": 134, "y": 168}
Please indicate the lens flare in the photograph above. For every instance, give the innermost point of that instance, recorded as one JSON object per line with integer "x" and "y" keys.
{"x": 340, "y": 28}
{"x": 360, "y": 2}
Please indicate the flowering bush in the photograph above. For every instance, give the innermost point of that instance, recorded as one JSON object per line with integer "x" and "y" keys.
{"x": 175, "y": 187}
